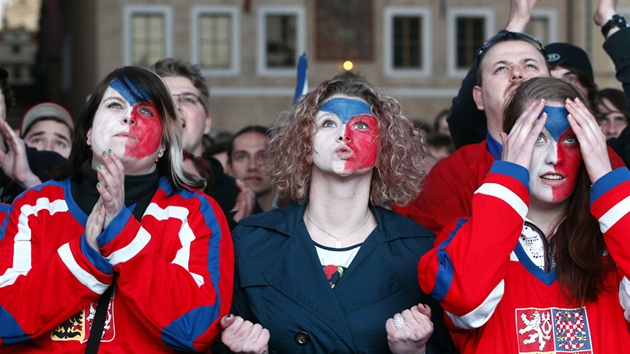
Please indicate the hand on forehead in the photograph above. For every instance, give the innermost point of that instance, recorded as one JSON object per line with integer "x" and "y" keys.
{"x": 346, "y": 108}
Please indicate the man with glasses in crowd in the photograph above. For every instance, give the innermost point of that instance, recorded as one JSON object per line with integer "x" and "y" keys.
{"x": 191, "y": 93}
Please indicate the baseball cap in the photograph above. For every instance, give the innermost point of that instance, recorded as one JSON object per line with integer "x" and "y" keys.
{"x": 570, "y": 57}
{"x": 46, "y": 109}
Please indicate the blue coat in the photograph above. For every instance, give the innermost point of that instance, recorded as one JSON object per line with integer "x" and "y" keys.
{"x": 280, "y": 283}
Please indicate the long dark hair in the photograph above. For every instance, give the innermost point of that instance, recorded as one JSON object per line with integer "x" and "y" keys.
{"x": 579, "y": 244}
{"x": 171, "y": 163}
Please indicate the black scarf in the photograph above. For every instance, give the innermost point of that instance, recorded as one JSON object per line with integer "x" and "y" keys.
{"x": 85, "y": 194}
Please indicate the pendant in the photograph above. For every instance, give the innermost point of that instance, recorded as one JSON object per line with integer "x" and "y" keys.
{"x": 338, "y": 244}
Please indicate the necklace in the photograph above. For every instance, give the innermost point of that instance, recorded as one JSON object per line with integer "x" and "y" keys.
{"x": 337, "y": 238}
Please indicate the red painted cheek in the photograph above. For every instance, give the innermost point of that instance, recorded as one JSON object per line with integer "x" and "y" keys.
{"x": 571, "y": 158}
{"x": 147, "y": 130}
{"x": 364, "y": 143}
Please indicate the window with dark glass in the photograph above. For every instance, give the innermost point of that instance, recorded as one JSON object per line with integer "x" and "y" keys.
{"x": 407, "y": 42}
{"x": 470, "y": 37}
{"x": 281, "y": 41}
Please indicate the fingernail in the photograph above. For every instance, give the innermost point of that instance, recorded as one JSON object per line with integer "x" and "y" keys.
{"x": 109, "y": 151}
{"x": 104, "y": 153}
{"x": 101, "y": 205}
{"x": 98, "y": 184}
{"x": 99, "y": 166}
{"x": 105, "y": 187}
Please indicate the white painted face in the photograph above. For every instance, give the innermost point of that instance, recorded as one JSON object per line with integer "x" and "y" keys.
{"x": 346, "y": 139}
{"x": 131, "y": 129}
{"x": 557, "y": 159}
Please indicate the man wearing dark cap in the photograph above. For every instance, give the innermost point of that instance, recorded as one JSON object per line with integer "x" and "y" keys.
{"x": 22, "y": 166}
{"x": 571, "y": 64}
{"x": 48, "y": 126}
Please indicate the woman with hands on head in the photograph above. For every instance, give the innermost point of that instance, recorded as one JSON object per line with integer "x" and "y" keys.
{"x": 540, "y": 266}
{"x": 333, "y": 271}
{"x": 119, "y": 219}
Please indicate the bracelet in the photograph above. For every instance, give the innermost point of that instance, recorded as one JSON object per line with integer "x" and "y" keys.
{"x": 616, "y": 21}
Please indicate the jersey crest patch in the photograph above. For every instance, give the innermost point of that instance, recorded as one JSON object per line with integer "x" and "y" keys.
{"x": 78, "y": 326}
{"x": 553, "y": 330}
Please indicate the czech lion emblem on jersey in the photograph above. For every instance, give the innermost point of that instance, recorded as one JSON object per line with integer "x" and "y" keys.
{"x": 78, "y": 327}
{"x": 553, "y": 330}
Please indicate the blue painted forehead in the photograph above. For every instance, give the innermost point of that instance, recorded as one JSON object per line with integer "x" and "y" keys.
{"x": 132, "y": 92}
{"x": 557, "y": 122}
{"x": 345, "y": 108}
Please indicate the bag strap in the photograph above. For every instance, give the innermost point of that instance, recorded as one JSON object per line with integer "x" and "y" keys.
{"x": 99, "y": 320}
{"x": 103, "y": 302}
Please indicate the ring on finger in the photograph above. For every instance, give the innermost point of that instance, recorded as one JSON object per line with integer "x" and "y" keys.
{"x": 399, "y": 321}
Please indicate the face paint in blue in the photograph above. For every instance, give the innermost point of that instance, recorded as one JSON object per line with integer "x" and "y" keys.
{"x": 557, "y": 122}
{"x": 345, "y": 108}
{"x": 133, "y": 95}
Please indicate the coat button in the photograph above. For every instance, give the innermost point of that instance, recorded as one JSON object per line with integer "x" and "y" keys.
{"x": 302, "y": 338}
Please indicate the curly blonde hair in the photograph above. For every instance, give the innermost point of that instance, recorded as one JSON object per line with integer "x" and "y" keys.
{"x": 398, "y": 170}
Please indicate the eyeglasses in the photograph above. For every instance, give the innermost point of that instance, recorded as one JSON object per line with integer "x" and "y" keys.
{"x": 188, "y": 100}
{"x": 505, "y": 35}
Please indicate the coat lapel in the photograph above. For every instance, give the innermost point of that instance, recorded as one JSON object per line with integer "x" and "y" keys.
{"x": 369, "y": 278}
{"x": 297, "y": 263}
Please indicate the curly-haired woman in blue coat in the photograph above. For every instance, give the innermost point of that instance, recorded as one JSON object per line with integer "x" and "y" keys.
{"x": 332, "y": 271}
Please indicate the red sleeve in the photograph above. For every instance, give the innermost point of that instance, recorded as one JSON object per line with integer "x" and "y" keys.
{"x": 471, "y": 255}
{"x": 179, "y": 284}
{"x": 36, "y": 274}
{"x": 610, "y": 204}
{"x": 445, "y": 196}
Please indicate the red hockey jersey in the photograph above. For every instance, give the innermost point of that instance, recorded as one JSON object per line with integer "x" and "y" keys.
{"x": 174, "y": 274}
{"x": 486, "y": 274}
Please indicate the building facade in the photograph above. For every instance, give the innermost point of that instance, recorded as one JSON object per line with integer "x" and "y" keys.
{"x": 419, "y": 51}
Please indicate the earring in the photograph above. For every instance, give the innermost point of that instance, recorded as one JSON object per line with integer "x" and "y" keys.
{"x": 89, "y": 141}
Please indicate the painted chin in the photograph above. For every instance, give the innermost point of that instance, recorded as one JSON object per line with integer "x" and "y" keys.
{"x": 559, "y": 184}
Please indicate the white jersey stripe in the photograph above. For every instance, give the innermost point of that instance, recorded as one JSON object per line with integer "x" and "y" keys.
{"x": 479, "y": 316}
{"x": 624, "y": 297}
{"x": 132, "y": 249}
{"x": 186, "y": 235}
{"x": 505, "y": 194}
{"x": 22, "y": 240}
{"x": 614, "y": 214}
{"x": 81, "y": 274}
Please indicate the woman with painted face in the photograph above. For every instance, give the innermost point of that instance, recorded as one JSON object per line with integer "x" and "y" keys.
{"x": 542, "y": 264}
{"x": 117, "y": 251}
{"x": 333, "y": 271}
